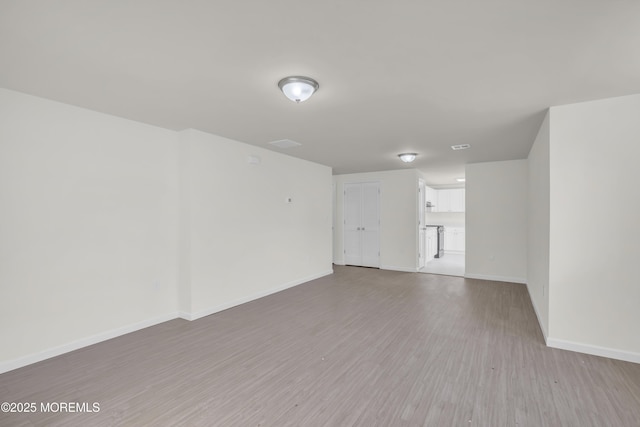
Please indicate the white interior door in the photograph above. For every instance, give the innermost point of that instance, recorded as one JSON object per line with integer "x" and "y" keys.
{"x": 362, "y": 224}
{"x": 352, "y": 216}
{"x": 370, "y": 224}
{"x": 422, "y": 229}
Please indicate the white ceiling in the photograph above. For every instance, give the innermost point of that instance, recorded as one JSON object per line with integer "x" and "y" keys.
{"x": 394, "y": 76}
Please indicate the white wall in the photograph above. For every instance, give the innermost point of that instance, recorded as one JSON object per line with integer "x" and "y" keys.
{"x": 108, "y": 226}
{"x": 398, "y": 217}
{"x": 496, "y": 221}
{"x": 538, "y": 220}
{"x": 244, "y": 240}
{"x": 594, "y": 209}
{"x": 448, "y": 219}
{"x": 88, "y": 227}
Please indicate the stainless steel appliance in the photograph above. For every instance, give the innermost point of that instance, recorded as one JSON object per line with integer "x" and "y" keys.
{"x": 440, "y": 252}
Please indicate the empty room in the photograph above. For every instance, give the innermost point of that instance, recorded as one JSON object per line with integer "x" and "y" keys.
{"x": 345, "y": 213}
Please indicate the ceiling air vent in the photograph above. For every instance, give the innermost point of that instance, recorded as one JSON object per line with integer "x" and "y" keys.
{"x": 285, "y": 143}
{"x": 460, "y": 147}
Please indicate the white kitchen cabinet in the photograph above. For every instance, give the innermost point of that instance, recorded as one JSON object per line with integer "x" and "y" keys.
{"x": 432, "y": 242}
{"x": 444, "y": 201}
{"x": 450, "y": 200}
{"x": 459, "y": 240}
{"x": 448, "y": 239}
{"x": 431, "y": 197}
{"x": 456, "y": 202}
{"x": 454, "y": 239}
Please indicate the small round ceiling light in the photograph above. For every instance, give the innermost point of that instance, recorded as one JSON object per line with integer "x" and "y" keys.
{"x": 407, "y": 157}
{"x": 298, "y": 88}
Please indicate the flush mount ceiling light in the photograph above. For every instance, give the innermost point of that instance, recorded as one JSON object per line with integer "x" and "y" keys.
{"x": 461, "y": 179}
{"x": 298, "y": 88}
{"x": 407, "y": 157}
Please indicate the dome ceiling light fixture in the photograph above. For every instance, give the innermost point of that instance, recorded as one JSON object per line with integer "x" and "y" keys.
{"x": 298, "y": 88}
{"x": 407, "y": 157}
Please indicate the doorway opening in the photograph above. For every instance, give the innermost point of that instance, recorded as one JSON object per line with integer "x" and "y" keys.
{"x": 442, "y": 230}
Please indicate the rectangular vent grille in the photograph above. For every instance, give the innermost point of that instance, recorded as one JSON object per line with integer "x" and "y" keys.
{"x": 460, "y": 147}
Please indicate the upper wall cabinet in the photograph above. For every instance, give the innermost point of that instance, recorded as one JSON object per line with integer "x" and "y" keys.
{"x": 431, "y": 197}
{"x": 449, "y": 200}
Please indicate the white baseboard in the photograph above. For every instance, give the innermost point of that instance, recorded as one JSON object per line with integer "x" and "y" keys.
{"x": 84, "y": 342}
{"x": 10, "y": 365}
{"x": 535, "y": 310}
{"x": 521, "y": 280}
{"x": 595, "y": 350}
{"x": 184, "y": 315}
{"x": 390, "y": 267}
{"x": 403, "y": 269}
{"x": 227, "y": 305}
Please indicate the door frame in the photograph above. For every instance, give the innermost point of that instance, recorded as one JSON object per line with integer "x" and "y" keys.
{"x": 344, "y": 231}
{"x": 422, "y": 231}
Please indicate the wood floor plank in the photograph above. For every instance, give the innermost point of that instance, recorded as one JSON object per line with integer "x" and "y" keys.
{"x": 362, "y": 347}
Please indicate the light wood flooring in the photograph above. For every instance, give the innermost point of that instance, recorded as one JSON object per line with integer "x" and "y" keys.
{"x": 362, "y": 347}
